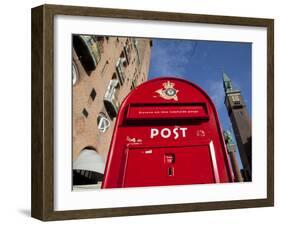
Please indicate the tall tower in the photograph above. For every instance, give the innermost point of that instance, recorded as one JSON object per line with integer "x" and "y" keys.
{"x": 241, "y": 125}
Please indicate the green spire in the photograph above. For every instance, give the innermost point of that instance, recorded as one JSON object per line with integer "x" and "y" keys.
{"x": 228, "y": 137}
{"x": 227, "y": 83}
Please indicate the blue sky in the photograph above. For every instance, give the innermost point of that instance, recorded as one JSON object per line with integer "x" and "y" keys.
{"x": 202, "y": 62}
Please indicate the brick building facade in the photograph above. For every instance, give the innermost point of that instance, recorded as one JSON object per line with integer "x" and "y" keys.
{"x": 104, "y": 70}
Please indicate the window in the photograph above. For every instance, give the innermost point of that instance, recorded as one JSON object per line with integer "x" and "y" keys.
{"x": 84, "y": 52}
{"x": 110, "y": 98}
{"x": 93, "y": 94}
{"x": 235, "y": 99}
{"x": 114, "y": 76}
{"x": 100, "y": 41}
{"x": 75, "y": 75}
{"x": 93, "y": 46}
{"x": 137, "y": 50}
{"x": 241, "y": 113}
{"x": 116, "y": 81}
{"x": 88, "y": 168}
{"x": 120, "y": 70}
{"x": 85, "y": 113}
{"x": 103, "y": 122}
{"x": 134, "y": 81}
{"x": 127, "y": 51}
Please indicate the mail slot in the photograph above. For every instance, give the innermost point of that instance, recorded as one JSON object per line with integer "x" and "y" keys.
{"x": 164, "y": 111}
{"x": 167, "y": 132}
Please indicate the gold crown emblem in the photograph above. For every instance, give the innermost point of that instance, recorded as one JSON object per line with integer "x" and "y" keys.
{"x": 168, "y": 92}
{"x": 168, "y": 85}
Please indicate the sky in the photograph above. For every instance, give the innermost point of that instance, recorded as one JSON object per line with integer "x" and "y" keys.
{"x": 203, "y": 62}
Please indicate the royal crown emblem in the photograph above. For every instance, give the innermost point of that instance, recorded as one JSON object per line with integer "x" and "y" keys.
{"x": 168, "y": 92}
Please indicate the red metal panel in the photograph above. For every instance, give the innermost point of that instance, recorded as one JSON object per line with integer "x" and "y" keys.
{"x": 169, "y": 166}
{"x": 167, "y": 132}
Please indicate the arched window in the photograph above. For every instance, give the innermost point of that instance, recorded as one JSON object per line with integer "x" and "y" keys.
{"x": 87, "y": 50}
{"x": 103, "y": 122}
{"x": 88, "y": 168}
{"x": 75, "y": 74}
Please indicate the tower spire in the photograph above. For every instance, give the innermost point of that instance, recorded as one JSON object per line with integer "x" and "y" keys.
{"x": 227, "y": 84}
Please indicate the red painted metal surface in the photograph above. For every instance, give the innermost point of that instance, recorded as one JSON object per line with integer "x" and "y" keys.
{"x": 167, "y": 133}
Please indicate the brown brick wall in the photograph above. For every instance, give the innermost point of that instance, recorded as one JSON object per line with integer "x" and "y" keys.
{"x": 85, "y": 129}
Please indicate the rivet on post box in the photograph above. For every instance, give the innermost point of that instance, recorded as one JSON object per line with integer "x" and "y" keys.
{"x": 167, "y": 132}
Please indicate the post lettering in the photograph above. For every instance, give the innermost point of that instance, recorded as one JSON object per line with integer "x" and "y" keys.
{"x": 183, "y": 131}
{"x": 166, "y": 132}
{"x": 175, "y": 131}
{"x": 154, "y": 132}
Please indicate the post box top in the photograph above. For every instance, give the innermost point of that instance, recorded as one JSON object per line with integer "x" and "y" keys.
{"x": 167, "y": 90}
{"x": 167, "y": 99}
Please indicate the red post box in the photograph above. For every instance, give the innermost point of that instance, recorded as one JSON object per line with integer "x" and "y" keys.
{"x": 167, "y": 133}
